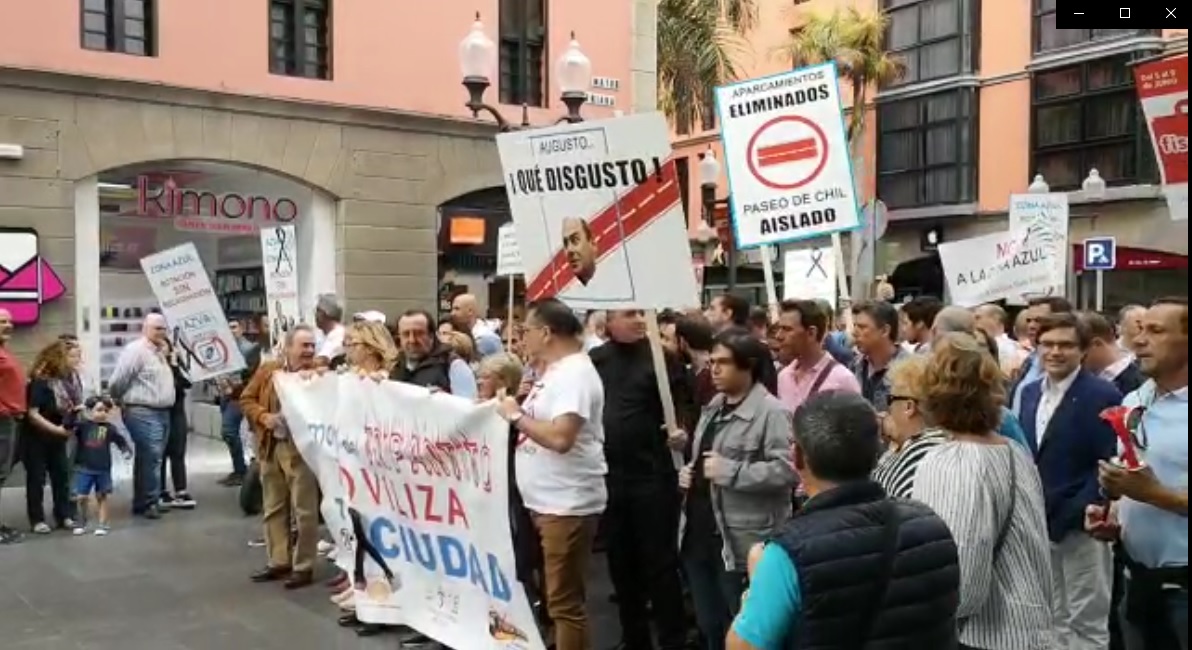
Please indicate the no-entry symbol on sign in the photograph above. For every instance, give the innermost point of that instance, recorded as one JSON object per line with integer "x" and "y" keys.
{"x": 787, "y": 152}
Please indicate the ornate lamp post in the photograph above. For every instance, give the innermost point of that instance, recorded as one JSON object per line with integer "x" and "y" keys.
{"x": 1038, "y": 186}
{"x": 703, "y": 242}
{"x": 709, "y": 179}
{"x": 477, "y": 53}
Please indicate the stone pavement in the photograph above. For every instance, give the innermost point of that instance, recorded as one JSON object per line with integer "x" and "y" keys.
{"x": 177, "y": 584}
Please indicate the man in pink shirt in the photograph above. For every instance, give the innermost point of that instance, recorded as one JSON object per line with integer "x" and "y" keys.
{"x": 800, "y": 331}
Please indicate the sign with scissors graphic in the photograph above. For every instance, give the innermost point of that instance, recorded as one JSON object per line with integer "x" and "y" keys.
{"x": 810, "y": 274}
{"x": 279, "y": 253}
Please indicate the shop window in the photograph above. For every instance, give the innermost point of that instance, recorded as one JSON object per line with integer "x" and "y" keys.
{"x": 300, "y": 38}
{"x": 930, "y": 37}
{"x": 522, "y": 52}
{"x": 1048, "y": 37}
{"x": 1087, "y": 116}
{"x": 123, "y": 26}
{"x": 926, "y": 148}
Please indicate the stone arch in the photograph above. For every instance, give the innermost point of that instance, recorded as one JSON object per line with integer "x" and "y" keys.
{"x": 107, "y": 137}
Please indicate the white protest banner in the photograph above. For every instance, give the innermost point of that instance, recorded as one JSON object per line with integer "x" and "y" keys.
{"x": 810, "y": 274}
{"x": 508, "y": 255}
{"x": 598, "y": 213}
{"x": 207, "y": 348}
{"x": 425, "y": 476}
{"x": 1000, "y": 265}
{"x": 1046, "y": 217}
{"x": 786, "y": 155}
{"x": 1163, "y": 91}
{"x": 279, "y": 254}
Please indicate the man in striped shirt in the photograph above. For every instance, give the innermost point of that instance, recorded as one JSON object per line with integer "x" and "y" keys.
{"x": 143, "y": 383}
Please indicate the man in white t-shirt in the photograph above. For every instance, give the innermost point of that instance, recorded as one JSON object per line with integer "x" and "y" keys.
{"x": 560, "y": 463}
{"x": 328, "y": 314}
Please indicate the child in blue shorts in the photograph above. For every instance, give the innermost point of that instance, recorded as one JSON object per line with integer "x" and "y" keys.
{"x": 93, "y": 463}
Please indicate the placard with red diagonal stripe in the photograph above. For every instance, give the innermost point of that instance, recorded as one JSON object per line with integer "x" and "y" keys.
{"x": 598, "y": 213}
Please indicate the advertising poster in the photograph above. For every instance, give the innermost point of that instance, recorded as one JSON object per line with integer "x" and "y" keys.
{"x": 198, "y": 326}
{"x": 1163, "y": 92}
{"x": 810, "y": 274}
{"x": 1002, "y": 265}
{"x": 1045, "y": 216}
{"x": 279, "y": 255}
{"x": 787, "y": 157}
{"x": 27, "y": 281}
{"x": 424, "y": 478}
{"x": 598, "y": 213}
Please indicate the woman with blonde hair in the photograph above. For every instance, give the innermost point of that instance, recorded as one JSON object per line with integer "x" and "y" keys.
{"x": 369, "y": 349}
{"x": 496, "y": 374}
{"x": 908, "y": 436}
{"x": 462, "y": 345}
{"x": 55, "y": 396}
{"x": 990, "y": 495}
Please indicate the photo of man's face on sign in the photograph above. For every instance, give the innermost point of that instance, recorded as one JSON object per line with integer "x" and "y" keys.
{"x": 580, "y": 246}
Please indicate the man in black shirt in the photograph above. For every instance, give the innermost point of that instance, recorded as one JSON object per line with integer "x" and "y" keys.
{"x": 642, "y": 517}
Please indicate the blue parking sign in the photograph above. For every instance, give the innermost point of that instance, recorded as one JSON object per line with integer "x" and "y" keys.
{"x": 1100, "y": 254}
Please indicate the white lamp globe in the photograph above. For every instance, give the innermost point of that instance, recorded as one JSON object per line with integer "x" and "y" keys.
{"x": 709, "y": 168}
{"x": 476, "y": 52}
{"x": 573, "y": 70}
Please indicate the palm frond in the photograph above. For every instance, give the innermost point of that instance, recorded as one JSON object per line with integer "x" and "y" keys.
{"x": 700, "y": 45}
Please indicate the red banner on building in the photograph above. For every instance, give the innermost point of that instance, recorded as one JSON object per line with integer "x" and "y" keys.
{"x": 1163, "y": 92}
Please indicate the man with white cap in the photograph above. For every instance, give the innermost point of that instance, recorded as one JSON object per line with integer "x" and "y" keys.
{"x": 371, "y": 316}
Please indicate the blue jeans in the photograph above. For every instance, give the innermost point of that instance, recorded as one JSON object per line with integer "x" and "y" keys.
{"x": 149, "y": 429}
{"x": 230, "y": 419}
{"x": 1166, "y": 630}
{"x": 715, "y": 591}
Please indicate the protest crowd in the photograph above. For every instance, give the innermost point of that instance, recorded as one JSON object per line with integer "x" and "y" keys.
{"x": 930, "y": 477}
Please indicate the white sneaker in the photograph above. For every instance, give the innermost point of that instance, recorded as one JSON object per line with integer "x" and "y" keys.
{"x": 101, "y": 531}
{"x": 69, "y": 523}
{"x": 42, "y": 528}
{"x": 79, "y": 530}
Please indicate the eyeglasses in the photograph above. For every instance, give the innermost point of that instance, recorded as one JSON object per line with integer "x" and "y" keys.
{"x": 903, "y": 398}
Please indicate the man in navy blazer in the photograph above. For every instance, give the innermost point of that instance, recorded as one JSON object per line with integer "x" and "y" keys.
{"x": 1060, "y": 413}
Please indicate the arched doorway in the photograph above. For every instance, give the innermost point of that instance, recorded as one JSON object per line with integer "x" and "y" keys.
{"x": 468, "y": 245}
{"x": 125, "y": 214}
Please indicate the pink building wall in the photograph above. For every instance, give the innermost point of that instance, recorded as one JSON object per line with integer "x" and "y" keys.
{"x": 386, "y": 54}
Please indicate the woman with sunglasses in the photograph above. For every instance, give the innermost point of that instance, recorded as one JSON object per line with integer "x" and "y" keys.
{"x": 909, "y": 438}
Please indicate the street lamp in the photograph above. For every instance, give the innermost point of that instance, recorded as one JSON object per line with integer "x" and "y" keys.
{"x": 709, "y": 179}
{"x": 1093, "y": 186}
{"x": 1038, "y": 186}
{"x": 476, "y": 55}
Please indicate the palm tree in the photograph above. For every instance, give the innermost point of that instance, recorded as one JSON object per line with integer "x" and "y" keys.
{"x": 855, "y": 40}
{"x": 699, "y": 43}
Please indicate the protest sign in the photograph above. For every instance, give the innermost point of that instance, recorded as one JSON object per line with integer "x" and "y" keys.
{"x": 1163, "y": 91}
{"x": 206, "y": 347}
{"x": 279, "y": 254}
{"x": 1002, "y": 265}
{"x": 427, "y": 476}
{"x": 508, "y": 256}
{"x": 1046, "y": 217}
{"x": 598, "y": 213}
{"x": 787, "y": 157}
{"x": 810, "y": 274}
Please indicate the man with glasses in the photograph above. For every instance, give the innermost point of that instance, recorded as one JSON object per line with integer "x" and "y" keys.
{"x": 1061, "y": 418}
{"x": 143, "y": 384}
{"x": 1151, "y": 507}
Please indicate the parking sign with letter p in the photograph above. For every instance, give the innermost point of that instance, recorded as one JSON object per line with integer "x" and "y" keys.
{"x": 1100, "y": 254}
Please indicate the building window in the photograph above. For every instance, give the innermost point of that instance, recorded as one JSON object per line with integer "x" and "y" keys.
{"x": 125, "y": 26}
{"x": 1084, "y": 117}
{"x": 683, "y": 177}
{"x": 927, "y": 150}
{"x": 299, "y": 38}
{"x": 930, "y": 37}
{"x": 522, "y": 52}
{"x": 1048, "y": 37}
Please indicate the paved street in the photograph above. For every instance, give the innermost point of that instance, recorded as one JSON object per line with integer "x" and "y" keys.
{"x": 178, "y": 584}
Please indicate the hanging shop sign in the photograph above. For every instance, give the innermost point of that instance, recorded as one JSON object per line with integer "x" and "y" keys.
{"x": 198, "y": 210}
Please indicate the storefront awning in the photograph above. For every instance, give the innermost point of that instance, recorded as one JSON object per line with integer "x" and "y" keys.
{"x": 1136, "y": 259}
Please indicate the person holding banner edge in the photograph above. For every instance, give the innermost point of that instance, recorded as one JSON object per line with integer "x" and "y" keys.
{"x": 290, "y": 489}
{"x": 560, "y": 461}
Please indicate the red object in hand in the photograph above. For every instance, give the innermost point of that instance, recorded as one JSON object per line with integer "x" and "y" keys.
{"x": 1118, "y": 417}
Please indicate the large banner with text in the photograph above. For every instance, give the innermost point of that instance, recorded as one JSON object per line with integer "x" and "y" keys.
{"x": 416, "y": 492}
